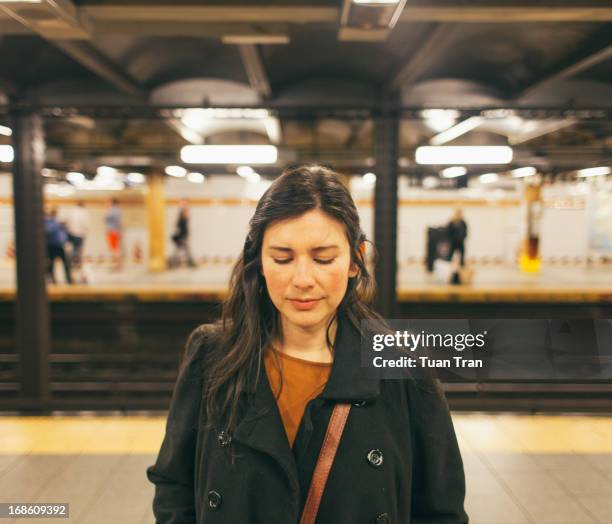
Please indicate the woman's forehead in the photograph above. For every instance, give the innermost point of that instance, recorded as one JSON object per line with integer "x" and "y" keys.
{"x": 311, "y": 230}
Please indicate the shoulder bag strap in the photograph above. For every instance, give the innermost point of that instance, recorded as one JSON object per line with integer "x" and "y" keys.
{"x": 331, "y": 441}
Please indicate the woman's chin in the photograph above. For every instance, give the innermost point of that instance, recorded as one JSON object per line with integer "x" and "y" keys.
{"x": 305, "y": 318}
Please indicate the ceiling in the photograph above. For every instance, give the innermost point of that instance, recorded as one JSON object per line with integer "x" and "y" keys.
{"x": 322, "y": 53}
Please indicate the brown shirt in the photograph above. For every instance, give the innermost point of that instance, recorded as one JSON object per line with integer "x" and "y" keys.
{"x": 303, "y": 380}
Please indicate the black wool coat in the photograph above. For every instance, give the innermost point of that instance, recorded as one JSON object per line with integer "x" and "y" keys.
{"x": 398, "y": 459}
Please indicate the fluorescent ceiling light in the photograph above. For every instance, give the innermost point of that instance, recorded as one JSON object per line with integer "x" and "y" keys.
{"x": 374, "y": 2}
{"x": 195, "y": 178}
{"x": 255, "y": 38}
{"x": 6, "y": 154}
{"x": 74, "y": 177}
{"x": 234, "y": 154}
{"x": 522, "y": 172}
{"x": 20, "y": 1}
{"x": 135, "y": 178}
{"x": 593, "y": 171}
{"x": 488, "y": 178}
{"x": 456, "y": 131}
{"x": 6, "y": 131}
{"x": 176, "y": 171}
{"x": 454, "y": 172}
{"x": 440, "y": 155}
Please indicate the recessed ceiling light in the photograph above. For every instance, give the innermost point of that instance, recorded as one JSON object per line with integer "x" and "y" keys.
{"x": 195, "y": 178}
{"x": 522, "y": 172}
{"x": 6, "y": 154}
{"x": 176, "y": 171}
{"x": 454, "y": 172}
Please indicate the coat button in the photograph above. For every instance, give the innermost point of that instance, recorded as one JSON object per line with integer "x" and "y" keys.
{"x": 375, "y": 457}
{"x": 224, "y": 439}
{"x": 383, "y": 518}
{"x": 214, "y": 499}
{"x": 359, "y": 403}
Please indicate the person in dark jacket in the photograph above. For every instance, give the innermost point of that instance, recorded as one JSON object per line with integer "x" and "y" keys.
{"x": 256, "y": 389}
{"x": 457, "y": 233}
{"x": 181, "y": 237}
{"x": 56, "y": 241}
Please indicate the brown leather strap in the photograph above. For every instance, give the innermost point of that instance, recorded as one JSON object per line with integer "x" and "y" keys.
{"x": 334, "y": 431}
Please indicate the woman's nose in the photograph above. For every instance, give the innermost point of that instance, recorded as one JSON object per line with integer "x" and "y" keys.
{"x": 303, "y": 275}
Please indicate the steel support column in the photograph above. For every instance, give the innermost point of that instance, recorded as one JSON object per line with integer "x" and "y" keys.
{"x": 32, "y": 329}
{"x": 386, "y": 150}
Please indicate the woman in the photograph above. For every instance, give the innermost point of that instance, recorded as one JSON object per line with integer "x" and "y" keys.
{"x": 254, "y": 394}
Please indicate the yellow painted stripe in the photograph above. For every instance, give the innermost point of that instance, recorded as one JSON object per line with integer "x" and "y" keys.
{"x": 518, "y": 294}
{"x": 143, "y": 435}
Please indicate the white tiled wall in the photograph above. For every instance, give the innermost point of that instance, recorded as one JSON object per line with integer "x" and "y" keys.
{"x": 218, "y": 230}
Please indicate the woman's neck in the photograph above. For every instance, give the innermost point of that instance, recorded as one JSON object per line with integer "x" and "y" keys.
{"x": 307, "y": 344}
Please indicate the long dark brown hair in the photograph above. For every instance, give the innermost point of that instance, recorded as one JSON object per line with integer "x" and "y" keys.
{"x": 249, "y": 319}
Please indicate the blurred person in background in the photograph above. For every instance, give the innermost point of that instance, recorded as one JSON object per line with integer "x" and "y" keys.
{"x": 181, "y": 237}
{"x": 57, "y": 238}
{"x": 457, "y": 233}
{"x": 113, "y": 233}
{"x": 77, "y": 225}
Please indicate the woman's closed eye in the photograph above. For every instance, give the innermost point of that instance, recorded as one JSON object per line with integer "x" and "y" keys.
{"x": 318, "y": 260}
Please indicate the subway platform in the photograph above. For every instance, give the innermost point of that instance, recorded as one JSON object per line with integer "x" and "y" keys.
{"x": 492, "y": 279}
{"x": 520, "y": 469}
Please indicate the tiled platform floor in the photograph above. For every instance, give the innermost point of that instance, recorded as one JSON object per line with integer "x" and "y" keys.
{"x": 519, "y": 469}
{"x": 409, "y": 276}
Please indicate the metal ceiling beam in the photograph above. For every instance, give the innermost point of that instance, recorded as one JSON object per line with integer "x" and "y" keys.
{"x": 149, "y": 17}
{"x": 505, "y": 14}
{"x": 50, "y": 18}
{"x": 413, "y": 67}
{"x": 59, "y": 22}
{"x": 82, "y": 51}
{"x": 255, "y": 69}
{"x": 88, "y": 56}
{"x": 571, "y": 67}
{"x": 9, "y": 26}
{"x": 569, "y": 70}
{"x": 177, "y": 13}
{"x": 258, "y": 79}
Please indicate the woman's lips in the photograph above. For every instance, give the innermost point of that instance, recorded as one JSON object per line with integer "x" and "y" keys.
{"x": 304, "y": 304}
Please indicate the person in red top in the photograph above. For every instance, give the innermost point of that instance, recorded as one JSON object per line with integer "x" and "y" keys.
{"x": 232, "y": 452}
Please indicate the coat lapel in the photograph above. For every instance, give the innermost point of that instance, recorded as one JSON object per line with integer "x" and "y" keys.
{"x": 347, "y": 379}
{"x": 262, "y": 429}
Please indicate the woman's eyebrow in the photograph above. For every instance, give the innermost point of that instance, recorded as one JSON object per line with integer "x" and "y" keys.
{"x": 316, "y": 249}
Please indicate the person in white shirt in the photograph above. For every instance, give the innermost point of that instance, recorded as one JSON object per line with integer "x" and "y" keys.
{"x": 77, "y": 224}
